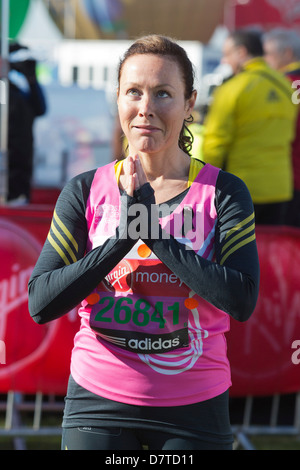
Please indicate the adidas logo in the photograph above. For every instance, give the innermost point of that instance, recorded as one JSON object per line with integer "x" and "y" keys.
{"x": 273, "y": 96}
{"x": 148, "y": 345}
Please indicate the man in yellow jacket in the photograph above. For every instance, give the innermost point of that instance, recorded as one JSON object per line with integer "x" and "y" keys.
{"x": 250, "y": 127}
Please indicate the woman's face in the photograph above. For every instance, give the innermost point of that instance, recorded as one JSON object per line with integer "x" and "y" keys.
{"x": 152, "y": 104}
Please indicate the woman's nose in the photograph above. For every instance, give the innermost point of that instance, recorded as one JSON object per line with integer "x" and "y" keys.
{"x": 146, "y": 106}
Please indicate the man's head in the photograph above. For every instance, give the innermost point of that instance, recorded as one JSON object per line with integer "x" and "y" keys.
{"x": 5, "y": 63}
{"x": 241, "y": 46}
{"x": 281, "y": 48}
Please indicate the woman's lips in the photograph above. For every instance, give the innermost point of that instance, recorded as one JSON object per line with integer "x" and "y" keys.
{"x": 147, "y": 129}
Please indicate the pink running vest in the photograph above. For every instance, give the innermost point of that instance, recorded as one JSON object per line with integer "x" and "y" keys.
{"x": 145, "y": 337}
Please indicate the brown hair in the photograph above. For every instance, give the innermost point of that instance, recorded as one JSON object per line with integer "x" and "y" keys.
{"x": 162, "y": 45}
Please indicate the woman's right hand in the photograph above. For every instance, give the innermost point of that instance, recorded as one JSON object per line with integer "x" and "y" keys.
{"x": 140, "y": 176}
{"x": 133, "y": 176}
{"x": 127, "y": 179}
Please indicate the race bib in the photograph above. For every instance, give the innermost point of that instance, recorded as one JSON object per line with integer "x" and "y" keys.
{"x": 139, "y": 325}
{"x": 154, "y": 321}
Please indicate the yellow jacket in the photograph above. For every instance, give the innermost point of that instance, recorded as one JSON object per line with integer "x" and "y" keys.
{"x": 249, "y": 130}
{"x": 197, "y": 131}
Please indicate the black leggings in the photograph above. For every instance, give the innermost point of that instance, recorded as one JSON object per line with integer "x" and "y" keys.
{"x": 116, "y": 438}
{"x": 93, "y": 422}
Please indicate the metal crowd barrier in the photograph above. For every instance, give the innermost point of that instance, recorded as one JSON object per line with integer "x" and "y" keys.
{"x": 244, "y": 428}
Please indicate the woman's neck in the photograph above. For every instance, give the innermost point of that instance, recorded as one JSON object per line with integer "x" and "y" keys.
{"x": 160, "y": 168}
{"x": 167, "y": 176}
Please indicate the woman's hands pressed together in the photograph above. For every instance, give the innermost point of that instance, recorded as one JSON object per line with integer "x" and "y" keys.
{"x": 133, "y": 176}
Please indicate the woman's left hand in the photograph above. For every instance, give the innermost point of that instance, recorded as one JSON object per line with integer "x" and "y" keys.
{"x": 140, "y": 176}
{"x": 133, "y": 175}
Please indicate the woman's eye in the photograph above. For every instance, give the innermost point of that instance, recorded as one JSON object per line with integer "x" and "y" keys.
{"x": 133, "y": 92}
{"x": 162, "y": 94}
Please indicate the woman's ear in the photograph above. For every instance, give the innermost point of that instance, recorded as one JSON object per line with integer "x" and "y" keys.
{"x": 191, "y": 103}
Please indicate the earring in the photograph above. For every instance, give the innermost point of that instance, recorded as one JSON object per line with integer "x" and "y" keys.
{"x": 189, "y": 120}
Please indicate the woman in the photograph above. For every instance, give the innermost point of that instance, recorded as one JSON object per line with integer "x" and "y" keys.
{"x": 160, "y": 250}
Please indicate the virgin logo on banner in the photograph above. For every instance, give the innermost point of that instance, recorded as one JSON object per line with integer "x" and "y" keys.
{"x": 268, "y": 14}
{"x": 261, "y": 350}
{"x": 18, "y": 252}
{"x": 29, "y": 360}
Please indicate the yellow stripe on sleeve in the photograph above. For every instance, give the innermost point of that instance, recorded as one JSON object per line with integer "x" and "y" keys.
{"x": 237, "y": 246}
{"x": 66, "y": 231}
{"x": 239, "y": 225}
{"x": 236, "y": 237}
{"x": 63, "y": 242}
{"x": 58, "y": 249}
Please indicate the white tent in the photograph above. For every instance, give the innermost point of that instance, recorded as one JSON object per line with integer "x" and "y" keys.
{"x": 39, "y": 31}
{"x": 40, "y": 34}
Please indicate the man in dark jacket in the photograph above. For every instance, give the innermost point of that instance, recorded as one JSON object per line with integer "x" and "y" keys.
{"x": 26, "y": 102}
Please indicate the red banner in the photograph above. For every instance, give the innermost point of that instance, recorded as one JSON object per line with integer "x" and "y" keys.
{"x": 268, "y": 14}
{"x": 37, "y": 358}
{"x": 263, "y": 352}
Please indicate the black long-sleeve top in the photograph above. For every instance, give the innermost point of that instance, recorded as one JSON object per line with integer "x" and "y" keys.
{"x": 65, "y": 274}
